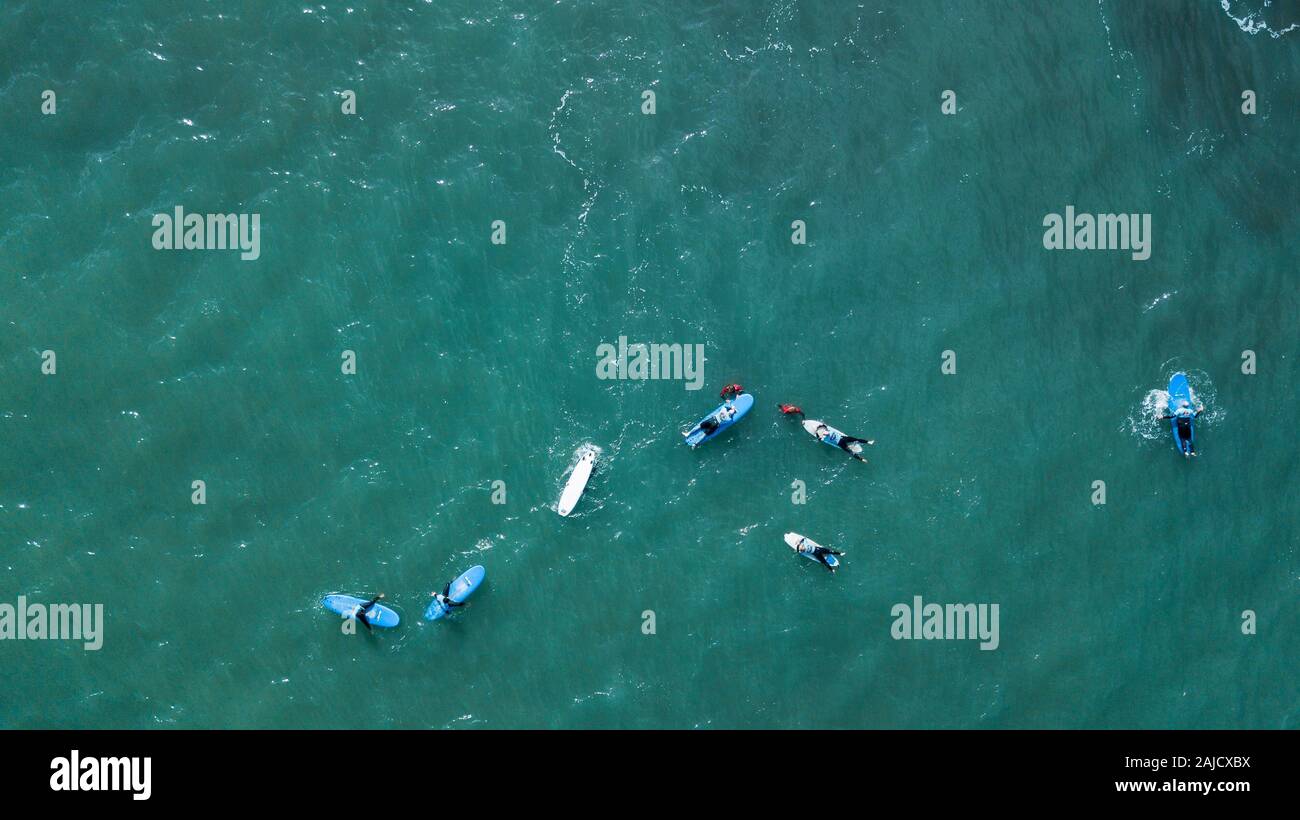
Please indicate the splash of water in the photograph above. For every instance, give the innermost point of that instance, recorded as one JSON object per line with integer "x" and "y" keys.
{"x": 1144, "y": 420}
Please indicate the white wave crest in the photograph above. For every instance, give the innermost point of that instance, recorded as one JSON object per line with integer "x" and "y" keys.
{"x": 1253, "y": 22}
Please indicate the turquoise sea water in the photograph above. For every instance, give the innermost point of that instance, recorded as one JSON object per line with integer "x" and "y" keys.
{"x": 476, "y": 362}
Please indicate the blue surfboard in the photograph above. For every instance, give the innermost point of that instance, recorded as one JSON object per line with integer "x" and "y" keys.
{"x": 347, "y": 606}
{"x": 1180, "y": 391}
{"x": 461, "y": 588}
{"x": 741, "y": 404}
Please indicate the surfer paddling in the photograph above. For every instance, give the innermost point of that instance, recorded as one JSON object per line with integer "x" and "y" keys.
{"x": 1183, "y": 418}
{"x": 817, "y": 552}
{"x": 831, "y": 436}
{"x": 828, "y": 435}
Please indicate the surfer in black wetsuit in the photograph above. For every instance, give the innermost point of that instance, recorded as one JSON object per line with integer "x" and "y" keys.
{"x": 842, "y": 441}
{"x": 712, "y": 423}
{"x": 728, "y": 394}
{"x": 445, "y": 597}
{"x": 818, "y": 552}
{"x": 845, "y": 441}
{"x": 363, "y": 612}
{"x": 1183, "y": 421}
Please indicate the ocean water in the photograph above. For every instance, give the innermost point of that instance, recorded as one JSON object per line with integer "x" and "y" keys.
{"x": 476, "y": 363}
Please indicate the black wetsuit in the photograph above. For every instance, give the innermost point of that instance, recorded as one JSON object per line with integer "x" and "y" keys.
{"x": 713, "y": 422}
{"x": 362, "y": 613}
{"x": 446, "y": 597}
{"x": 844, "y": 443}
{"x": 1184, "y": 426}
{"x": 820, "y": 554}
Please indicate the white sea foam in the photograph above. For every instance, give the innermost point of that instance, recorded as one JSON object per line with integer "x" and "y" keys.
{"x": 1253, "y": 22}
{"x": 1156, "y": 301}
{"x": 590, "y": 187}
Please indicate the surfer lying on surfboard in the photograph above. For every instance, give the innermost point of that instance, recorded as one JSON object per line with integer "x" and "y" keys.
{"x": 445, "y": 597}
{"x": 362, "y": 611}
{"x": 818, "y": 552}
{"x": 714, "y": 422}
{"x": 840, "y": 440}
{"x": 1183, "y": 417}
{"x": 829, "y": 435}
{"x": 728, "y": 394}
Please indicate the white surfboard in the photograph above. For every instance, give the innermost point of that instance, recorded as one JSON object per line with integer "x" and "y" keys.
{"x": 577, "y": 482}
